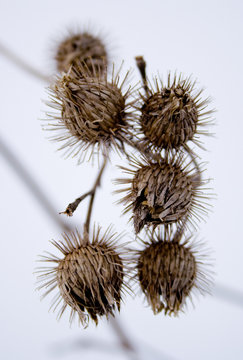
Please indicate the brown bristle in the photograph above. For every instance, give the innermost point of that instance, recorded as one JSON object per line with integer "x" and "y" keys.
{"x": 168, "y": 271}
{"x": 162, "y": 192}
{"x": 89, "y": 277}
{"x": 172, "y": 115}
{"x": 93, "y": 111}
{"x": 82, "y": 47}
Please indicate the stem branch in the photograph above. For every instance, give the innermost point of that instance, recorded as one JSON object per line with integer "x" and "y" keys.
{"x": 93, "y": 191}
{"x": 73, "y": 206}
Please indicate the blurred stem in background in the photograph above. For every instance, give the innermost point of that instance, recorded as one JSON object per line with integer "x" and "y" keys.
{"x": 42, "y": 199}
{"x": 22, "y": 64}
{"x": 49, "y": 209}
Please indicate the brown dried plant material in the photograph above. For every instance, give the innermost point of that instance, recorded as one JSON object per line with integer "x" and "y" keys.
{"x": 169, "y": 272}
{"x": 89, "y": 277}
{"x": 162, "y": 192}
{"x": 172, "y": 114}
{"x": 82, "y": 47}
{"x": 94, "y": 112}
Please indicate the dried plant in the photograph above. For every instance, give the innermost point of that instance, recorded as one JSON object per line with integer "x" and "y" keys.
{"x": 164, "y": 193}
{"x": 94, "y": 113}
{"x": 169, "y": 270}
{"x": 171, "y": 115}
{"x": 82, "y": 47}
{"x": 89, "y": 277}
{"x": 161, "y": 192}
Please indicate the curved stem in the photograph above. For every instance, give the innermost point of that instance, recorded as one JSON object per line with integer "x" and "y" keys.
{"x": 22, "y": 64}
{"x": 40, "y": 196}
{"x": 73, "y": 206}
{"x": 93, "y": 191}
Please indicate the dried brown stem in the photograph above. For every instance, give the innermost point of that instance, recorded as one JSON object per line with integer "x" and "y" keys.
{"x": 141, "y": 64}
{"x": 22, "y": 64}
{"x": 34, "y": 188}
{"x": 73, "y": 206}
{"x": 40, "y": 196}
{"x": 93, "y": 191}
{"x": 140, "y": 148}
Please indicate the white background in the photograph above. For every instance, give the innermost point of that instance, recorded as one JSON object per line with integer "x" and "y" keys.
{"x": 199, "y": 38}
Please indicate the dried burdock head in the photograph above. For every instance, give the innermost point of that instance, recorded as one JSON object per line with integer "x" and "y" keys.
{"x": 172, "y": 114}
{"x": 170, "y": 270}
{"x": 89, "y": 276}
{"x": 93, "y": 112}
{"x": 165, "y": 191}
{"x": 82, "y": 47}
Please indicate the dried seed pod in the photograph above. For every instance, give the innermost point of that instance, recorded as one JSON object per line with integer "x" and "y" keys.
{"x": 162, "y": 192}
{"x": 172, "y": 115}
{"x": 89, "y": 277}
{"x": 169, "y": 271}
{"x": 93, "y": 112}
{"x": 82, "y": 47}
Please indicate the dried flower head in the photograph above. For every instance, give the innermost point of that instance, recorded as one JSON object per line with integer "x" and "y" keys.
{"x": 169, "y": 271}
{"x": 93, "y": 112}
{"x": 162, "y": 192}
{"x": 82, "y": 47}
{"x": 172, "y": 115}
{"x": 89, "y": 277}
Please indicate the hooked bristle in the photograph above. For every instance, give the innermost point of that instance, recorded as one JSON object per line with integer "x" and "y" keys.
{"x": 93, "y": 111}
{"x": 172, "y": 115}
{"x": 169, "y": 271}
{"x": 89, "y": 277}
{"x": 163, "y": 192}
{"x": 82, "y": 47}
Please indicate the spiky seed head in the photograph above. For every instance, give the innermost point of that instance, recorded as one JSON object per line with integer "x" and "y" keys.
{"x": 168, "y": 271}
{"x": 89, "y": 277}
{"x": 161, "y": 192}
{"x": 164, "y": 198}
{"x": 82, "y": 47}
{"x": 94, "y": 112}
{"x": 171, "y": 115}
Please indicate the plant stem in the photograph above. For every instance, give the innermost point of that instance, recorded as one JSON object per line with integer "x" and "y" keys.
{"x": 22, "y": 64}
{"x": 141, "y": 64}
{"x": 73, "y": 206}
{"x": 38, "y": 193}
{"x": 93, "y": 191}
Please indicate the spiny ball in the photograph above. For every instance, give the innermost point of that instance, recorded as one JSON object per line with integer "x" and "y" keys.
{"x": 93, "y": 111}
{"x": 161, "y": 193}
{"x": 82, "y": 47}
{"x": 89, "y": 277}
{"x": 169, "y": 116}
{"x": 166, "y": 272}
